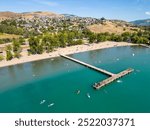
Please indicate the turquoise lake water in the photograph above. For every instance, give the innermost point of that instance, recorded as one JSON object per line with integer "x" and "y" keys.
{"x": 23, "y": 87}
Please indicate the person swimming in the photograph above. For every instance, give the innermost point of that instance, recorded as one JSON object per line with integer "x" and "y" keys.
{"x": 42, "y": 102}
{"x": 50, "y": 105}
{"x": 88, "y": 95}
{"x": 78, "y": 92}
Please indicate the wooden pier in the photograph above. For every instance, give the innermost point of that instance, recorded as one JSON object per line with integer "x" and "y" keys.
{"x": 88, "y": 65}
{"x": 112, "y": 78}
{"x": 144, "y": 45}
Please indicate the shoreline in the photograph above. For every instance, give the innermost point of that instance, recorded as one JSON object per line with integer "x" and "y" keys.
{"x": 66, "y": 51}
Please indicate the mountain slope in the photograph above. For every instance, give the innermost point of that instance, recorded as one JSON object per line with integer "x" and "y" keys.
{"x": 26, "y": 15}
{"x": 40, "y": 14}
{"x": 145, "y": 22}
{"x": 112, "y": 26}
{"x": 5, "y": 15}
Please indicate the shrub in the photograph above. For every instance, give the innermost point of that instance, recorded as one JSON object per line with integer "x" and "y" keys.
{"x": 1, "y": 57}
{"x": 9, "y": 55}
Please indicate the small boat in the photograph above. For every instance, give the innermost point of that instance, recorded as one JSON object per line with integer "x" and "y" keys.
{"x": 118, "y": 59}
{"x": 50, "y": 105}
{"x": 52, "y": 59}
{"x": 133, "y": 54}
{"x": 88, "y": 95}
{"x": 42, "y": 102}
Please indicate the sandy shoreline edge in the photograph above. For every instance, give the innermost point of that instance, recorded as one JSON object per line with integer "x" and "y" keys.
{"x": 66, "y": 51}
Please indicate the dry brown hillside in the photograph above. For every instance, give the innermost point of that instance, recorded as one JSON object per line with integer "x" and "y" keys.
{"x": 40, "y": 14}
{"x": 8, "y": 15}
{"x": 112, "y": 27}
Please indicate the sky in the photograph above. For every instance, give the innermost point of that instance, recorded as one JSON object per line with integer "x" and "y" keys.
{"x": 128, "y": 10}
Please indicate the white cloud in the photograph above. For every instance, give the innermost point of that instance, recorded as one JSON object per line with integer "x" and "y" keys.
{"x": 147, "y": 13}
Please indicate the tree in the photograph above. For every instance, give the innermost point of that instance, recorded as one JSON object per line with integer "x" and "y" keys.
{"x": 126, "y": 37}
{"x": 101, "y": 37}
{"x": 1, "y": 57}
{"x": 21, "y": 41}
{"x": 71, "y": 36}
{"x": 86, "y": 33}
{"x": 1, "y": 41}
{"x": 63, "y": 39}
{"x": 135, "y": 39}
{"x": 103, "y": 19}
{"x": 116, "y": 38}
{"x": 40, "y": 49}
{"x": 16, "y": 48}
{"x": 46, "y": 42}
{"x": 142, "y": 40}
{"x": 9, "y": 55}
{"x": 92, "y": 38}
{"x": 16, "y": 45}
{"x": 79, "y": 42}
{"x": 50, "y": 42}
{"x": 33, "y": 43}
{"x": 145, "y": 41}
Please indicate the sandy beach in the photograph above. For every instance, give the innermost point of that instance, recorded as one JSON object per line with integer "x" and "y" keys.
{"x": 66, "y": 51}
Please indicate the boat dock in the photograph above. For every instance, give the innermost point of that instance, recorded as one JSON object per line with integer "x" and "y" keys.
{"x": 112, "y": 77}
{"x": 88, "y": 65}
